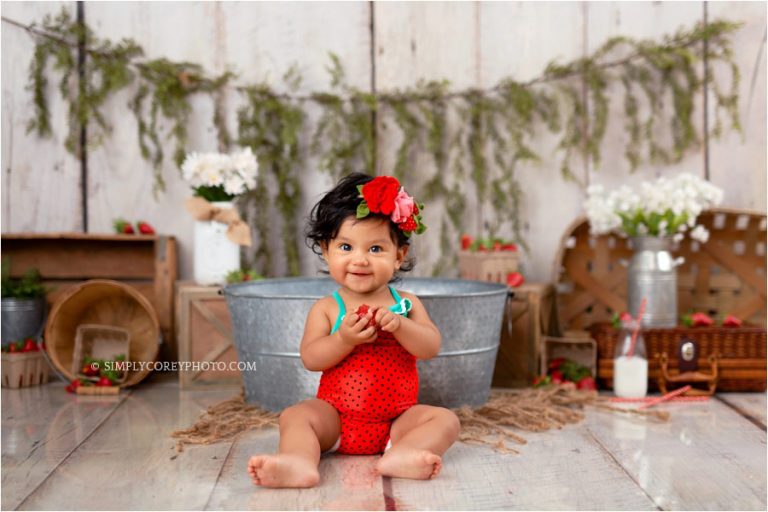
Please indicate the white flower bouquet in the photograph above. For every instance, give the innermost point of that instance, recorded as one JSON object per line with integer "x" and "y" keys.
{"x": 666, "y": 207}
{"x": 221, "y": 177}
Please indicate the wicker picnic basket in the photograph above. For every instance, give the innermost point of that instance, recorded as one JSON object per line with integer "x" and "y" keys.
{"x": 725, "y": 275}
{"x": 106, "y": 303}
{"x": 741, "y": 353}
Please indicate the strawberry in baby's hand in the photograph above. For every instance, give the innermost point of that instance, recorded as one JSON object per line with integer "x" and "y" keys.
{"x": 363, "y": 310}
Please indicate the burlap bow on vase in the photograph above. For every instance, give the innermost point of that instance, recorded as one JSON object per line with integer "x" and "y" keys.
{"x": 238, "y": 231}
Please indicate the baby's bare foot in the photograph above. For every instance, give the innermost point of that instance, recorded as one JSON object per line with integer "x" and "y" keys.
{"x": 409, "y": 463}
{"x": 283, "y": 470}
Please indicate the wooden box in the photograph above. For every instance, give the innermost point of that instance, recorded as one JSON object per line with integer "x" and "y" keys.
{"x": 582, "y": 350}
{"x": 204, "y": 336}
{"x": 24, "y": 369}
{"x": 145, "y": 262}
{"x": 100, "y": 342}
{"x": 528, "y": 315}
{"x": 490, "y": 266}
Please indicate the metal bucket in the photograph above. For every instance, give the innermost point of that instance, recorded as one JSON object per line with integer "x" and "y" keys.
{"x": 22, "y": 318}
{"x": 652, "y": 274}
{"x": 268, "y": 323}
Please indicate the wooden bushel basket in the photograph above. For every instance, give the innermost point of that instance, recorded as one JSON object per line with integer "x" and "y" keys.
{"x": 103, "y": 302}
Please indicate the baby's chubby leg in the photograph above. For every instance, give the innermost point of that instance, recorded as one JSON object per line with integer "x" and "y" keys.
{"x": 419, "y": 437}
{"x": 306, "y": 429}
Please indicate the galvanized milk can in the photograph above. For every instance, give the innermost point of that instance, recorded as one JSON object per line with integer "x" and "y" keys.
{"x": 652, "y": 274}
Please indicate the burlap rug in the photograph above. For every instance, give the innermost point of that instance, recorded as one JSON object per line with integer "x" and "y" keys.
{"x": 493, "y": 424}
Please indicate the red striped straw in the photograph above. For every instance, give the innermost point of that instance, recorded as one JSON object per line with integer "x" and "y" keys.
{"x": 668, "y": 396}
{"x": 637, "y": 328}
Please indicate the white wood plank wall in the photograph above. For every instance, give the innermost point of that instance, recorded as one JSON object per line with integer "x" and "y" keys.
{"x": 471, "y": 44}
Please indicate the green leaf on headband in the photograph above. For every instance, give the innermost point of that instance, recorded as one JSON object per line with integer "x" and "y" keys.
{"x": 362, "y": 210}
{"x": 360, "y": 190}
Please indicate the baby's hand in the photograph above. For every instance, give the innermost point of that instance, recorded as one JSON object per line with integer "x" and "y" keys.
{"x": 354, "y": 329}
{"x": 387, "y": 320}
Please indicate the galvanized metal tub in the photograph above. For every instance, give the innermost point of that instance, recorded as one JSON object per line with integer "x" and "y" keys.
{"x": 22, "y": 318}
{"x": 268, "y": 322}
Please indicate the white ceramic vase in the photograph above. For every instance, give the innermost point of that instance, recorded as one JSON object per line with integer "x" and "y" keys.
{"x": 215, "y": 255}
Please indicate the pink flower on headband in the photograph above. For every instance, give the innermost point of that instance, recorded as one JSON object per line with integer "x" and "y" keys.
{"x": 404, "y": 206}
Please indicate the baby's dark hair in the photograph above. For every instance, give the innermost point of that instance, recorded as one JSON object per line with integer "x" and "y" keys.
{"x": 336, "y": 206}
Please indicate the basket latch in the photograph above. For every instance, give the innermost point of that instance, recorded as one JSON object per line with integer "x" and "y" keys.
{"x": 688, "y": 370}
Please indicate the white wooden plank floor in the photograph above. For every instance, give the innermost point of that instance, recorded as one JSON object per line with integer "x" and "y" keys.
{"x": 65, "y": 452}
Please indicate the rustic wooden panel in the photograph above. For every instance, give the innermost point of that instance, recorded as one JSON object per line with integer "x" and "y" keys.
{"x": 538, "y": 478}
{"x": 41, "y": 181}
{"x": 42, "y": 426}
{"x": 518, "y": 40}
{"x": 738, "y": 162}
{"x": 640, "y": 20}
{"x": 136, "y": 434}
{"x": 346, "y": 482}
{"x": 260, "y": 41}
{"x": 703, "y": 458}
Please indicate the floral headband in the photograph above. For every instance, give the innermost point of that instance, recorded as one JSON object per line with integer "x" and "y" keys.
{"x": 384, "y": 195}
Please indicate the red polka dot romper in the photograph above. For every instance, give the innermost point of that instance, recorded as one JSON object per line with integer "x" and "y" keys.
{"x": 370, "y": 387}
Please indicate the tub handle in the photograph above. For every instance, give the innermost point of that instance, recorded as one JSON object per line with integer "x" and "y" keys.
{"x": 220, "y": 291}
{"x": 510, "y": 294}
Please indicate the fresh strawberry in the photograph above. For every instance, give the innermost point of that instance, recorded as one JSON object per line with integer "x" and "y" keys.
{"x": 72, "y": 386}
{"x": 587, "y": 383}
{"x": 122, "y": 227}
{"x": 701, "y": 320}
{"x": 496, "y": 245}
{"x": 554, "y": 364}
{"x": 12, "y": 348}
{"x": 409, "y": 225}
{"x": 145, "y": 228}
{"x": 29, "y": 345}
{"x": 466, "y": 241}
{"x": 509, "y": 247}
{"x": 104, "y": 381}
{"x": 515, "y": 279}
{"x": 557, "y": 377}
{"x": 731, "y": 321}
{"x": 542, "y": 380}
{"x": 363, "y": 310}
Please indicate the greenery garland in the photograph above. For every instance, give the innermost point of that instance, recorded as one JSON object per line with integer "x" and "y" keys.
{"x": 492, "y": 138}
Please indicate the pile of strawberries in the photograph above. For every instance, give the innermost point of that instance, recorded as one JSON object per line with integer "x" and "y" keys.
{"x": 96, "y": 373}
{"x": 697, "y": 319}
{"x": 564, "y": 371}
{"x": 486, "y": 244}
{"x": 25, "y": 345}
{"x": 123, "y": 227}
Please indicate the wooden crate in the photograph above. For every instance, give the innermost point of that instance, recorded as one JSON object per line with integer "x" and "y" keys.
{"x": 490, "y": 266}
{"x": 145, "y": 262}
{"x": 204, "y": 335}
{"x": 528, "y": 315}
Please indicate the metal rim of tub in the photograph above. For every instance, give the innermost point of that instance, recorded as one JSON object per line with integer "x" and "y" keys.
{"x": 236, "y": 289}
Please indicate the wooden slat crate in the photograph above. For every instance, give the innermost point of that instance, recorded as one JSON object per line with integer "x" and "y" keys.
{"x": 725, "y": 275}
{"x": 204, "y": 335}
{"x": 528, "y": 315}
{"x": 145, "y": 262}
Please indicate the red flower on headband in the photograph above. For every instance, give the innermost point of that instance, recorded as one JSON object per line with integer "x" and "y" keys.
{"x": 380, "y": 194}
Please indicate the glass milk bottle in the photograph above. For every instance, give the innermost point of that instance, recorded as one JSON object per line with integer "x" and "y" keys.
{"x": 630, "y": 370}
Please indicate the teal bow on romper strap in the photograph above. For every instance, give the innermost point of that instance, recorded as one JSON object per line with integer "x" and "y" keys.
{"x": 401, "y": 307}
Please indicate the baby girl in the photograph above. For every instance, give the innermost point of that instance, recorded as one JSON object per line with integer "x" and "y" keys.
{"x": 367, "y": 400}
